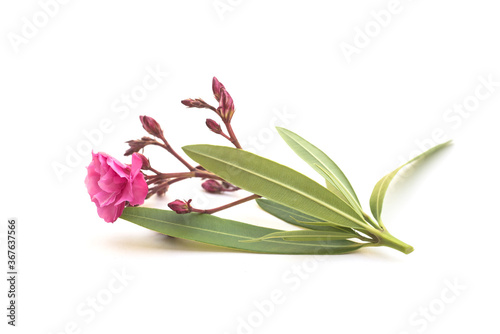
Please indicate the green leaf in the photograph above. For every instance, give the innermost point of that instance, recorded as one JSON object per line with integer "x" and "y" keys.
{"x": 305, "y": 235}
{"x": 276, "y": 182}
{"x": 227, "y": 233}
{"x": 298, "y": 218}
{"x": 318, "y": 160}
{"x": 380, "y": 189}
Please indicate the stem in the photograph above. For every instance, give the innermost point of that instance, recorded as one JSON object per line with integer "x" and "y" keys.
{"x": 154, "y": 170}
{"x": 384, "y": 238}
{"x": 170, "y": 150}
{"x": 177, "y": 179}
{"x": 225, "y": 136}
{"x": 220, "y": 208}
{"x": 232, "y": 136}
{"x": 186, "y": 175}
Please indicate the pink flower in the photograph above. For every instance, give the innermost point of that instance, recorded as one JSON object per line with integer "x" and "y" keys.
{"x": 111, "y": 184}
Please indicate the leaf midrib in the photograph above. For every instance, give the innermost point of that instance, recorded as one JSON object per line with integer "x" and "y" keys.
{"x": 326, "y": 167}
{"x": 345, "y": 215}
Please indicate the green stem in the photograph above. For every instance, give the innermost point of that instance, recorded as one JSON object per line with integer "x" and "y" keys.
{"x": 387, "y": 239}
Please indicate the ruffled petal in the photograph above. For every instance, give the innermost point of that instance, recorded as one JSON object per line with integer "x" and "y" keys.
{"x": 104, "y": 198}
{"x": 91, "y": 180}
{"x": 136, "y": 166}
{"x": 139, "y": 189}
{"x": 111, "y": 182}
{"x": 119, "y": 168}
{"x": 126, "y": 194}
{"x": 110, "y": 213}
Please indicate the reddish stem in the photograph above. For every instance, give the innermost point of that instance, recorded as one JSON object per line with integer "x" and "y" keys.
{"x": 229, "y": 205}
{"x": 232, "y": 136}
{"x": 170, "y": 150}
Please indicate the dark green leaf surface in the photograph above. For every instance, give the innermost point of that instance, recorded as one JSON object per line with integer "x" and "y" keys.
{"x": 276, "y": 182}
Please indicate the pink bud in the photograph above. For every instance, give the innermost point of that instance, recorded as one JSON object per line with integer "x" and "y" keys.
{"x": 226, "y": 106}
{"x": 180, "y": 207}
{"x": 145, "y": 162}
{"x": 212, "y": 186}
{"x": 216, "y": 87}
{"x": 213, "y": 126}
{"x": 151, "y": 126}
{"x": 194, "y": 103}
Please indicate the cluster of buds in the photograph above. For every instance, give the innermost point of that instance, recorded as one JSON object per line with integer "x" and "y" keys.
{"x": 225, "y": 111}
{"x": 159, "y": 183}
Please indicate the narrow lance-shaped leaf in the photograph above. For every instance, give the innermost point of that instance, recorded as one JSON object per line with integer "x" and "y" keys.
{"x": 221, "y": 232}
{"x": 325, "y": 166}
{"x": 275, "y": 182}
{"x": 298, "y": 218}
{"x": 305, "y": 235}
{"x": 380, "y": 189}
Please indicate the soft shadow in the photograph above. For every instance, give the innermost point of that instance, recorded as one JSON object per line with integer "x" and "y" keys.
{"x": 158, "y": 241}
{"x": 380, "y": 253}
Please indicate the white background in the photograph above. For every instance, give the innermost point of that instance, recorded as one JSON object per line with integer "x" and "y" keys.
{"x": 369, "y": 111}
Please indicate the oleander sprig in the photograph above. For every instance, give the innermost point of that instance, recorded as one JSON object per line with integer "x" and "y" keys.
{"x": 327, "y": 219}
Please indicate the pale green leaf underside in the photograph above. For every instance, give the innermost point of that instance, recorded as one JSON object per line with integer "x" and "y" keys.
{"x": 229, "y": 233}
{"x": 325, "y": 166}
{"x": 380, "y": 189}
{"x": 305, "y": 235}
{"x": 298, "y": 218}
{"x": 276, "y": 182}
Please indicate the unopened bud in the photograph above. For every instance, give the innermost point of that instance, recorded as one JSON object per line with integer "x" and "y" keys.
{"x": 213, "y": 126}
{"x": 196, "y": 103}
{"x": 226, "y": 106}
{"x": 180, "y": 207}
{"x": 216, "y": 87}
{"x": 212, "y": 186}
{"x": 145, "y": 161}
{"x": 151, "y": 126}
{"x": 135, "y": 146}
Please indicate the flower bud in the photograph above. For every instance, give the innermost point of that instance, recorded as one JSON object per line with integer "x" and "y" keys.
{"x": 213, "y": 126}
{"x": 135, "y": 146}
{"x": 226, "y": 106}
{"x": 180, "y": 207}
{"x": 145, "y": 161}
{"x": 196, "y": 103}
{"x": 212, "y": 186}
{"x": 216, "y": 87}
{"x": 151, "y": 126}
